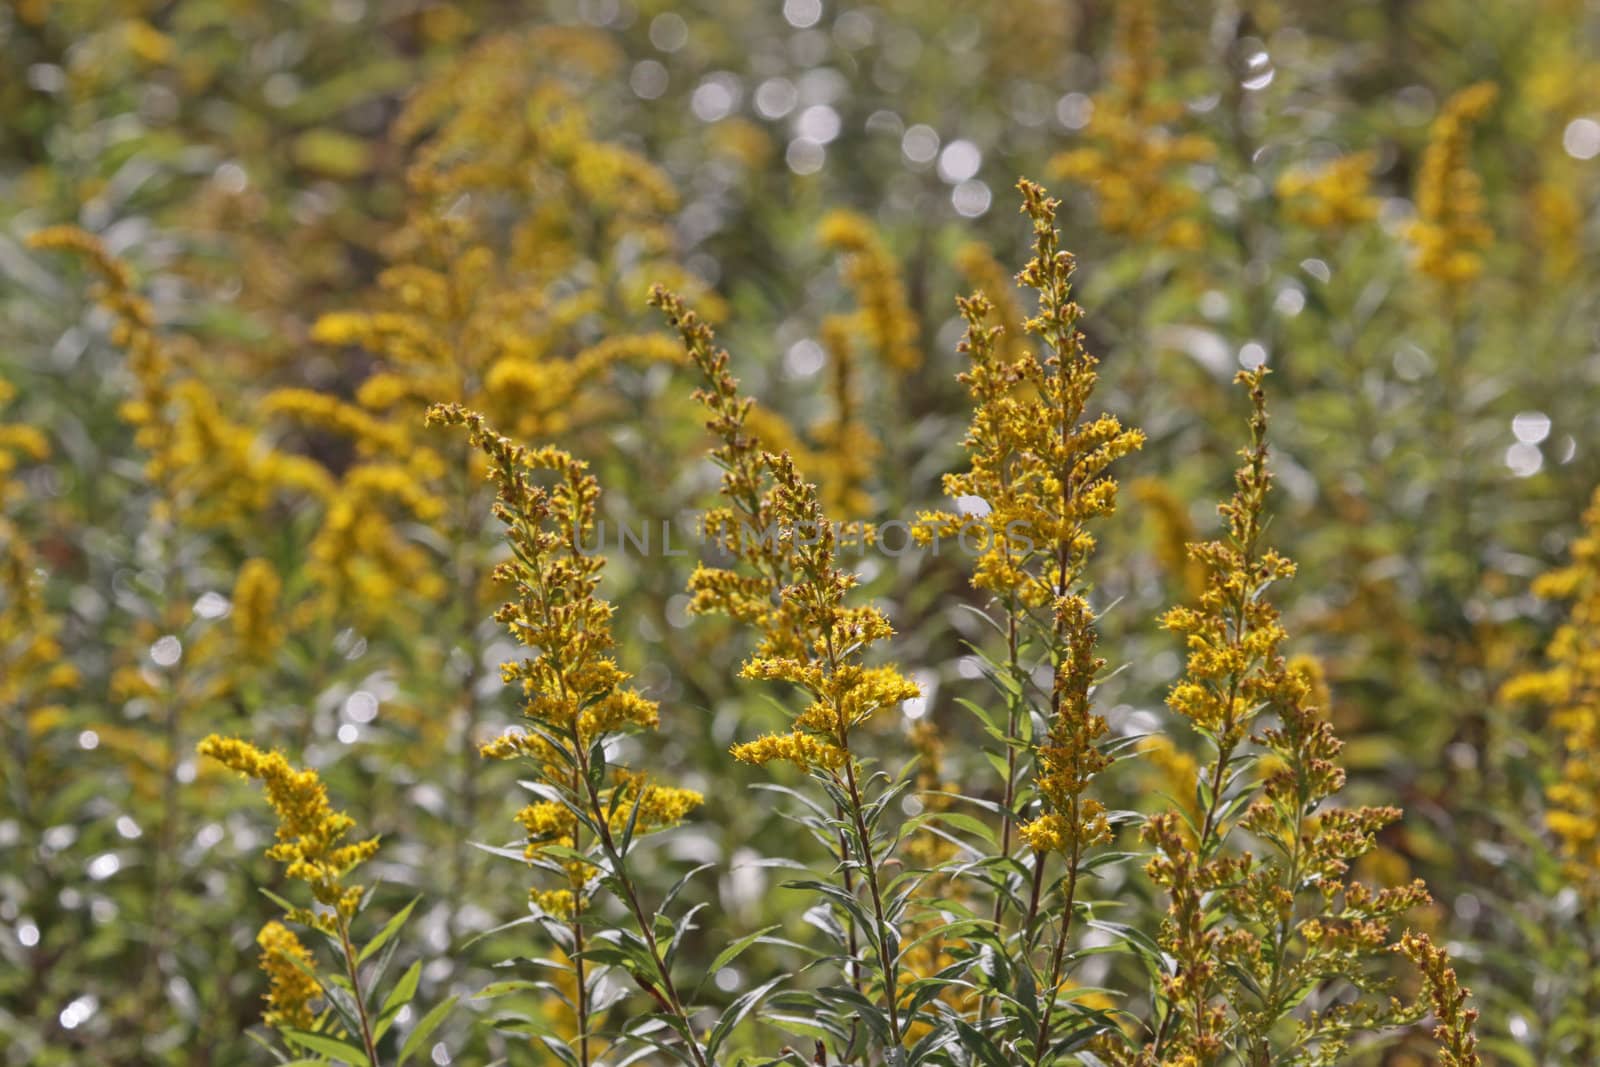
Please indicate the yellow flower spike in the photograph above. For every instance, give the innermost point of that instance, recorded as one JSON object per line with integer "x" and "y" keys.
{"x": 575, "y": 698}
{"x": 285, "y": 961}
{"x": 788, "y": 550}
{"x": 255, "y": 615}
{"x": 572, "y": 685}
{"x": 1132, "y": 160}
{"x": 1450, "y": 232}
{"x": 213, "y": 471}
{"x": 1037, "y": 475}
{"x": 1242, "y": 926}
{"x": 1454, "y": 1021}
{"x": 1569, "y": 687}
{"x": 1335, "y": 196}
{"x": 801, "y": 749}
{"x": 310, "y": 833}
{"x": 885, "y": 318}
{"x": 986, "y": 275}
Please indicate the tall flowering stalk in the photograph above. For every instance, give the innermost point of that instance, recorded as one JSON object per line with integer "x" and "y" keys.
{"x": 1567, "y": 690}
{"x": 1569, "y": 686}
{"x": 576, "y": 703}
{"x": 1450, "y": 232}
{"x": 312, "y": 842}
{"x": 311, "y": 846}
{"x": 792, "y": 589}
{"x": 1450, "y": 235}
{"x": 1038, "y": 464}
{"x": 1273, "y": 948}
{"x": 206, "y": 479}
{"x": 1134, "y": 161}
{"x": 884, "y": 317}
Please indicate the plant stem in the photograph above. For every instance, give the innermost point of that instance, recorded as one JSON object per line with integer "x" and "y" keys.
{"x": 850, "y": 921}
{"x": 1058, "y": 957}
{"x": 668, "y": 992}
{"x": 1010, "y": 795}
{"x": 583, "y": 992}
{"x": 353, "y": 973}
{"x": 887, "y": 960}
{"x": 577, "y": 958}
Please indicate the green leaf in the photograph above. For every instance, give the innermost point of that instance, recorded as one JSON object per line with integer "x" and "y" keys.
{"x": 331, "y": 1047}
{"x": 733, "y": 951}
{"x": 390, "y": 928}
{"x": 424, "y": 1029}
{"x": 398, "y": 998}
{"x": 736, "y": 1013}
{"x": 500, "y": 989}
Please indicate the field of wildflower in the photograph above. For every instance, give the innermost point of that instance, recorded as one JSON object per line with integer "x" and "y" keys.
{"x": 809, "y": 532}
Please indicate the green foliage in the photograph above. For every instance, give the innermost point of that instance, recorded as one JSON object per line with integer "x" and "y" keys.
{"x": 244, "y": 247}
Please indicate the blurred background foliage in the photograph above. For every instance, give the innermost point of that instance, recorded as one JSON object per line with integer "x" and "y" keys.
{"x": 223, "y": 512}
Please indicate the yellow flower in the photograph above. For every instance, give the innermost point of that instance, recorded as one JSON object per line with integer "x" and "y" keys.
{"x": 986, "y": 275}
{"x": 1450, "y": 231}
{"x": 211, "y": 469}
{"x": 1037, "y": 465}
{"x": 1133, "y": 161}
{"x": 1238, "y": 922}
{"x": 885, "y": 318}
{"x": 775, "y": 526}
{"x": 309, "y": 832}
{"x": 286, "y": 962}
{"x": 255, "y": 617}
{"x": 1569, "y": 687}
{"x": 1336, "y": 195}
{"x": 571, "y": 685}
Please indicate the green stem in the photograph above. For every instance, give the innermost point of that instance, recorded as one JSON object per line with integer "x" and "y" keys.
{"x": 354, "y": 974}
{"x": 888, "y": 960}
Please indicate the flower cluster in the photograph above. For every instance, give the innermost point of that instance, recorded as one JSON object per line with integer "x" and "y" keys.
{"x": 885, "y": 318}
{"x": 1450, "y": 232}
{"x": 1134, "y": 161}
{"x": 1455, "y": 1028}
{"x": 310, "y": 836}
{"x": 257, "y": 628}
{"x": 1333, "y": 196}
{"x": 574, "y": 694}
{"x": 33, "y": 665}
{"x": 1569, "y": 687}
{"x": 291, "y": 972}
{"x": 1037, "y": 476}
{"x": 212, "y": 469}
{"x": 794, "y": 591}
{"x": 1253, "y": 937}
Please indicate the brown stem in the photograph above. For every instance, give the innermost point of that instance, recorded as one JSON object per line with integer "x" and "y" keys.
{"x": 1034, "y": 896}
{"x": 668, "y": 991}
{"x": 891, "y": 966}
{"x": 354, "y": 974}
{"x": 1058, "y": 957}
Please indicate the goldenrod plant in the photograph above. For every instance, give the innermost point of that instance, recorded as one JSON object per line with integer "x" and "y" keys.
{"x": 1565, "y": 691}
{"x": 880, "y": 735}
{"x": 1269, "y": 942}
{"x": 310, "y": 845}
{"x": 577, "y": 705}
{"x": 793, "y": 592}
{"x": 1037, "y": 476}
